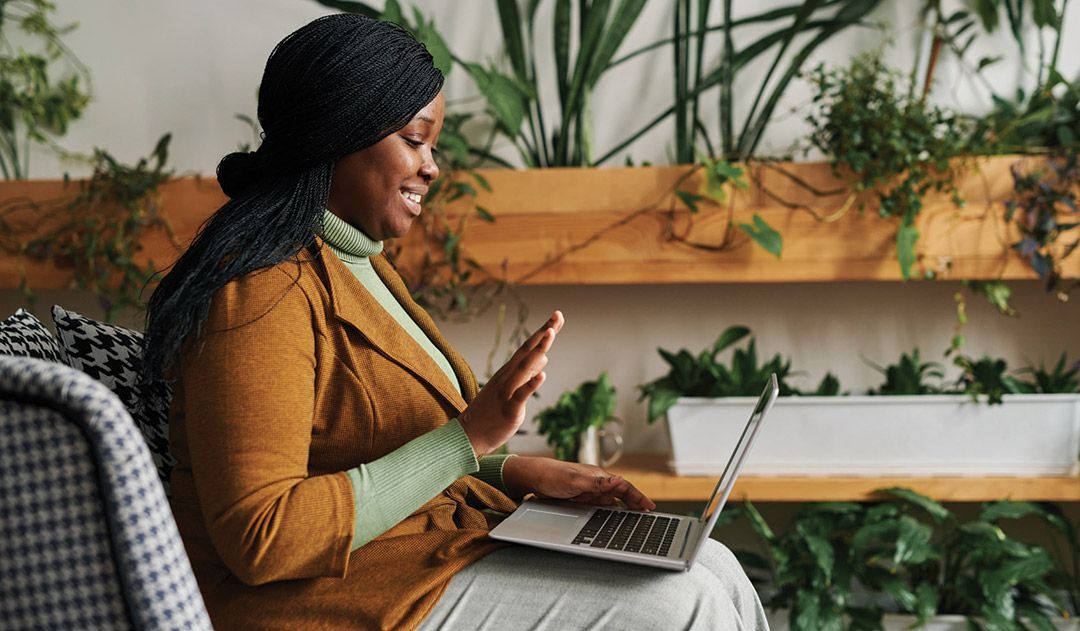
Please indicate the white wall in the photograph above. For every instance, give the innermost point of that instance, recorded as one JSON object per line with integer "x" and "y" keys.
{"x": 189, "y": 67}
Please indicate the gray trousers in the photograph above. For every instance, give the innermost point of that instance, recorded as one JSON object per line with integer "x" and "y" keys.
{"x": 529, "y": 588}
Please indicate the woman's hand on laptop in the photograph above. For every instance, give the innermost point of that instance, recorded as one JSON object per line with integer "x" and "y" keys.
{"x": 555, "y": 479}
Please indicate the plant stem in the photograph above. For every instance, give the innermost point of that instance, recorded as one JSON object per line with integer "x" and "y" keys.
{"x": 681, "y": 43}
{"x": 727, "y": 136}
{"x": 1057, "y": 40}
{"x": 703, "y": 17}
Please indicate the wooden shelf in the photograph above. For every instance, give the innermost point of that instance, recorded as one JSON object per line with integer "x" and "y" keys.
{"x": 650, "y": 474}
{"x": 547, "y": 221}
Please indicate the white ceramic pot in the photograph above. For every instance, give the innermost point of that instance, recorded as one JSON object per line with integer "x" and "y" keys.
{"x": 1027, "y": 435}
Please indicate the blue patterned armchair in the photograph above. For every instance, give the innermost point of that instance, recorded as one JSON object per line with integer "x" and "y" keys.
{"x": 87, "y": 539}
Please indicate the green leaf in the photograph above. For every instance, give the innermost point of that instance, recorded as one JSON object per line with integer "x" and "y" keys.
{"x": 510, "y": 21}
{"x": 1043, "y": 13}
{"x": 392, "y": 13}
{"x": 926, "y": 602}
{"x": 819, "y": 548}
{"x": 763, "y": 234}
{"x": 350, "y": 6}
{"x": 625, "y": 15}
{"x": 690, "y": 199}
{"x": 506, "y": 97}
{"x": 988, "y": 13}
{"x": 913, "y": 543}
{"x": 895, "y": 587}
{"x": 427, "y": 35}
{"x": 660, "y": 401}
{"x": 758, "y": 523}
{"x": 481, "y": 180}
{"x": 1010, "y": 510}
{"x": 484, "y": 214}
{"x": 938, "y": 512}
{"x": 905, "y": 249}
{"x": 730, "y": 336}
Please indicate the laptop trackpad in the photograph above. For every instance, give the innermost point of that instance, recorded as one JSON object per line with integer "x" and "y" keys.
{"x": 549, "y": 520}
{"x": 544, "y": 524}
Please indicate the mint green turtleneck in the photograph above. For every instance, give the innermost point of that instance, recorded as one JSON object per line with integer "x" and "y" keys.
{"x": 387, "y": 490}
{"x": 354, "y": 248}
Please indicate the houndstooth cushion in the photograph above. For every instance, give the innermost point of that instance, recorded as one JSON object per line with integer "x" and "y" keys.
{"x": 24, "y": 335}
{"x": 111, "y": 354}
{"x": 86, "y": 535}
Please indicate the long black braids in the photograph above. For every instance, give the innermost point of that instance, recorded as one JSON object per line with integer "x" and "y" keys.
{"x": 335, "y": 86}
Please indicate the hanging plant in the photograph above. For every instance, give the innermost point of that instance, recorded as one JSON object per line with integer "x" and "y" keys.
{"x": 897, "y": 147}
{"x": 1044, "y": 209}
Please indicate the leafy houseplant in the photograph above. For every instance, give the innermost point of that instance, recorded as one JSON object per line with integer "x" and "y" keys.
{"x": 908, "y": 376}
{"x": 832, "y": 567}
{"x": 985, "y": 376}
{"x": 870, "y": 435}
{"x": 896, "y": 146}
{"x": 1061, "y": 378}
{"x": 35, "y": 106}
{"x": 703, "y": 376}
{"x": 591, "y": 405}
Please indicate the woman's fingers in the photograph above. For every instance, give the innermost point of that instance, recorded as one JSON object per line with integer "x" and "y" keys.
{"x": 522, "y": 394}
{"x": 530, "y": 366}
{"x": 553, "y": 324}
{"x": 620, "y": 488}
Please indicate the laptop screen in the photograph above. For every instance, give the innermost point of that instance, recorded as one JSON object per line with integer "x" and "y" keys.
{"x": 734, "y": 464}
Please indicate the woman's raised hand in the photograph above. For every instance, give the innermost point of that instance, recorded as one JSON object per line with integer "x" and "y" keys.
{"x": 499, "y": 408}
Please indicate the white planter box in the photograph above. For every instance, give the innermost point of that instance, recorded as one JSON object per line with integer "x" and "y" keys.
{"x": 926, "y": 435}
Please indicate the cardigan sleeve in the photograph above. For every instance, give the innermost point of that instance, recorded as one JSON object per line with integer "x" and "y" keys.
{"x": 249, "y": 388}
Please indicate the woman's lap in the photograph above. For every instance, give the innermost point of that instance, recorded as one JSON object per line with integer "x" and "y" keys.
{"x": 519, "y": 587}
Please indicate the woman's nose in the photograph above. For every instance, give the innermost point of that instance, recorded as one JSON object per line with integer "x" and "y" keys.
{"x": 429, "y": 169}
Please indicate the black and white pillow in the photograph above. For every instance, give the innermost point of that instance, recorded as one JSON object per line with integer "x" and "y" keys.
{"x": 25, "y": 336}
{"x": 112, "y": 355}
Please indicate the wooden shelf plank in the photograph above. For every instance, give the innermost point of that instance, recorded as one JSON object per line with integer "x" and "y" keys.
{"x": 650, "y": 474}
{"x": 547, "y": 215}
{"x": 546, "y": 220}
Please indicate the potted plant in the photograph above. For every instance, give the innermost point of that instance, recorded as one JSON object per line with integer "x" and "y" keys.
{"x": 575, "y": 425}
{"x": 909, "y": 562}
{"x": 907, "y": 426}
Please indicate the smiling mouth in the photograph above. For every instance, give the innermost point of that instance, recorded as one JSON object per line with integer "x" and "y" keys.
{"x": 412, "y": 200}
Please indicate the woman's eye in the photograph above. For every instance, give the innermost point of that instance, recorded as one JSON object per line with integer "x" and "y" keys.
{"x": 412, "y": 142}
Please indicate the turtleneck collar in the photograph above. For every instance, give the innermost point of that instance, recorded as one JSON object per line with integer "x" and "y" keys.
{"x": 346, "y": 239}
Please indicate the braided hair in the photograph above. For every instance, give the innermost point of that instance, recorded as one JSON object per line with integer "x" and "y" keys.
{"x": 335, "y": 86}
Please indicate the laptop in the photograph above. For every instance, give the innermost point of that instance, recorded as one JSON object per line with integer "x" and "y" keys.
{"x": 657, "y": 539}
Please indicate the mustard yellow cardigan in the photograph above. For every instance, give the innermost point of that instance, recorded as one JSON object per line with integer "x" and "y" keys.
{"x": 298, "y": 376}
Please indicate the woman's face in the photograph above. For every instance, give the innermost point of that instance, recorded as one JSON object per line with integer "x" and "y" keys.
{"x": 380, "y": 189}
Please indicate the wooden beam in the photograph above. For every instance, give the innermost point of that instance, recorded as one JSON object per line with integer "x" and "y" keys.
{"x": 651, "y": 474}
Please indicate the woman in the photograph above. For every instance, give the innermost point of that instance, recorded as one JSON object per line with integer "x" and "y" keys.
{"x": 333, "y": 452}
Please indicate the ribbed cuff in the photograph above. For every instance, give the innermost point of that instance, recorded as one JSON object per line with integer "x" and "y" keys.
{"x": 389, "y": 489}
{"x": 491, "y": 470}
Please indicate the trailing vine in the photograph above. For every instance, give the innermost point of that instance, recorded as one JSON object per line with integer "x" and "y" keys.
{"x": 1044, "y": 209}
{"x": 97, "y": 233}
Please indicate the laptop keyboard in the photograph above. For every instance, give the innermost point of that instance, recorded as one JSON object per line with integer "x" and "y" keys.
{"x": 630, "y": 532}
